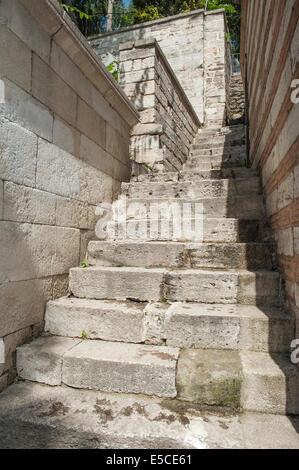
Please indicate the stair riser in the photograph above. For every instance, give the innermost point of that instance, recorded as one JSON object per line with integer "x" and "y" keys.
{"x": 239, "y": 207}
{"x": 176, "y": 255}
{"x": 220, "y": 142}
{"x": 215, "y": 149}
{"x": 214, "y": 230}
{"x": 195, "y": 163}
{"x": 170, "y": 177}
{"x": 190, "y": 286}
{"x": 175, "y": 328}
{"x": 134, "y": 369}
{"x": 203, "y": 189}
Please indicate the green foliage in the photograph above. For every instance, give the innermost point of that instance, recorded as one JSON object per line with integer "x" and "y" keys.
{"x": 84, "y": 264}
{"x": 74, "y": 10}
{"x": 146, "y": 165}
{"x": 113, "y": 69}
{"x": 84, "y": 334}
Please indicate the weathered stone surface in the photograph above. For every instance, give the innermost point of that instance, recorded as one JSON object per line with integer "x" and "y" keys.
{"x": 66, "y": 137}
{"x": 21, "y": 108}
{"x": 30, "y": 251}
{"x": 270, "y": 383}
{"x": 18, "y": 153}
{"x": 91, "y": 124}
{"x": 110, "y": 321}
{"x": 52, "y": 91}
{"x": 127, "y": 368}
{"x": 11, "y": 342}
{"x": 23, "y": 304}
{"x": 41, "y": 360}
{"x": 210, "y": 377}
{"x": 15, "y": 59}
{"x": 24, "y": 204}
{"x": 154, "y": 319}
{"x": 117, "y": 283}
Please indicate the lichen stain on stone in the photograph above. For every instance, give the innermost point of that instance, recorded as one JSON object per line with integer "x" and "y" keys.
{"x": 56, "y": 409}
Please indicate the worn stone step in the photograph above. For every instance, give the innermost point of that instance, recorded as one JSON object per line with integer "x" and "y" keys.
{"x": 270, "y": 384}
{"x": 194, "y": 176}
{"x": 35, "y": 416}
{"x": 195, "y": 163}
{"x": 217, "y": 149}
{"x": 183, "y": 325}
{"x": 252, "y": 381}
{"x": 233, "y": 131}
{"x": 200, "y": 189}
{"x": 99, "y": 365}
{"x": 99, "y": 319}
{"x": 214, "y": 231}
{"x": 181, "y": 255}
{"x": 219, "y": 141}
{"x": 192, "y": 285}
{"x": 239, "y": 207}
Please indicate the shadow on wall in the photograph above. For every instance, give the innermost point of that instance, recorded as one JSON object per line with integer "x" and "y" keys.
{"x": 257, "y": 230}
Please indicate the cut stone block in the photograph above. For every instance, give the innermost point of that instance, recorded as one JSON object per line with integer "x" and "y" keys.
{"x": 118, "y": 367}
{"x": 110, "y": 321}
{"x": 41, "y": 360}
{"x": 117, "y": 283}
{"x": 271, "y": 383}
{"x": 210, "y": 378}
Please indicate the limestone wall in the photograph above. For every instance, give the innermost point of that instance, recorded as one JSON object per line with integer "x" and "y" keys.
{"x": 270, "y": 39}
{"x": 168, "y": 124}
{"x": 194, "y": 45}
{"x": 64, "y": 140}
{"x": 236, "y": 102}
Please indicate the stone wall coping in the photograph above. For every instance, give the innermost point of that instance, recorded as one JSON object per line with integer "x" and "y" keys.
{"x": 53, "y": 18}
{"x": 151, "y": 42}
{"x": 167, "y": 19}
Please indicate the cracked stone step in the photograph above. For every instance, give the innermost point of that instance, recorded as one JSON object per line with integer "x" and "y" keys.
{"x": 194, "y": 176}
{"x": 270, "y": 384}
{"x": 194, "y": 285}
{"x": 216, "y": 149}
{"x": 180, "y": 255}
{"x": 214, "y": 231}
{"x": 42, "y": 417}
{"x": 100, "y": 365}
{"x": 239, "y": 207}
{"x": 183, "y": 325}
{"x": 200, "y": 189}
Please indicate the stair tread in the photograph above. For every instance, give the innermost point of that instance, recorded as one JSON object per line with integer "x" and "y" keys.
{"x": 59, "y": 417}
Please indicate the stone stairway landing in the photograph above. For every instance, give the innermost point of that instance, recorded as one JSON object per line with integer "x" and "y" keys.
{"x": 198, "y": 321}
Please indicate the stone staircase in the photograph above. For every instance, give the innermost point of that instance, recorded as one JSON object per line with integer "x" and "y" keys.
{"x": 200, "y": 322}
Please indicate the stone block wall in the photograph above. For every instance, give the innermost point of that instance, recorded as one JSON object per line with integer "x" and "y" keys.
{"x": 270, "y": 37}
{"x": 64, "y": 148}
{"x": 194, "y": 45}
{"x": 168, "y": 124}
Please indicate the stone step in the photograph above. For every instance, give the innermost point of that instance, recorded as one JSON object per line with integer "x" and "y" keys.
{"x": 214, "y": 231}
{"x": 251, "y": 381}
{"x": 193, "y": 285}
{"x": 237, "y": 130}
{"x": 270, "y": 383}
{"x": 183, "y": 325}
{"x": 189, "y": 190}
{"x": 194, "y": 176}
{"x": 217, "y": 149}
{"x": 181, "y": 255}
{"x": 219, "y": 141}
{"x": 195, "y": 163}
{"x": 35, "y": 416}
{"x": 239, "y": 207}
{"x": 99, "y": 365}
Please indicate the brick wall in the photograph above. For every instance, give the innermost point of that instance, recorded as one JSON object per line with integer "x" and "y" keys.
{"x": 64, "y": 140}
{"x": 168, "y": 124}
{"x": 270, "y": 37}
{"x": 194, "y": 45}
